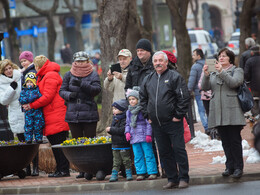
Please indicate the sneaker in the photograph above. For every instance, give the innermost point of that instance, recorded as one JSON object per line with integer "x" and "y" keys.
{"x": 151, "y": 177}
{"x": 170, "y": 185}
{"x": 140, "y": 178}
{"x": 183, "y": 184}
{"x": 227, "y": 172}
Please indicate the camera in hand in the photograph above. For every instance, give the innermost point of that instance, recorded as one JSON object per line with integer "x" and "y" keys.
{"x": 211, "y": 64}
{"x": 115, "y": 67}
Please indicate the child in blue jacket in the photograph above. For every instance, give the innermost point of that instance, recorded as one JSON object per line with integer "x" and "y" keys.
{"x": 34, "y": 120}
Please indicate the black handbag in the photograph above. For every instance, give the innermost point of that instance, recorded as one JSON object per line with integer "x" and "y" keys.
{"x": 245, "y": 97}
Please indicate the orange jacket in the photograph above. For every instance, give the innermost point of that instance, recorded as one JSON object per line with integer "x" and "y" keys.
{"x": 54, "y": 110}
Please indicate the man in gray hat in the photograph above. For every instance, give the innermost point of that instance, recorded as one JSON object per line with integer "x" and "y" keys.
{"x": 115, "y": 81}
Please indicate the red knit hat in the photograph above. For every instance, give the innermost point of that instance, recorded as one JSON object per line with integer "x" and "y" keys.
{"x": 26, "y": 55}
{"x": 170, "y": 56}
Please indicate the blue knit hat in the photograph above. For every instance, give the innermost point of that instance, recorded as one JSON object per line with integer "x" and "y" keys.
{"x": 121, "y": 105}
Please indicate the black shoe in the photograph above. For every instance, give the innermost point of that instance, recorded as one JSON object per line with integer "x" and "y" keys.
{"x": 29, "y": 141}
{"x": 35, "y": 161}
{"x": 54, "y": 174}
{"x": 227, "y": 172}
{"x": 28, "y": 170}
{"x": 39, "y": 141}
{"x": 237, "y": 173}
{"x": 80, "y": 175}
{"x": 59, "y": 174}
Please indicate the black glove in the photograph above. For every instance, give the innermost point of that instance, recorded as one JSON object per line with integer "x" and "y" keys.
{"x": 73, "y": 95}
{"x": 76, "y": 82}
{"x": 13, "y": 85}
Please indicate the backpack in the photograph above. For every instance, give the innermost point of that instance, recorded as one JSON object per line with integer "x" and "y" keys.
{"x": 245, "y": 97}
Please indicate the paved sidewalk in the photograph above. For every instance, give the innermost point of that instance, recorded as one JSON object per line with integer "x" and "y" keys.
{"x": 201, "y": 172}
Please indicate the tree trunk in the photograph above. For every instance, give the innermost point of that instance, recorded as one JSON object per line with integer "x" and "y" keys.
{"x": 147, "y": 16}
{"x": 245, "y": 23}
{"x": 195, "y": 11}
{"x": 257, "y": 10}
{"x": 178, "y": 10}
{"x": 51, "y": 33}
{"x": 79, "y": 38}
{"x": 133, "y": 28}
{"x": 77, "y": 13}
{"x": 113, "y": 18}
{"x": 13, "y": 40}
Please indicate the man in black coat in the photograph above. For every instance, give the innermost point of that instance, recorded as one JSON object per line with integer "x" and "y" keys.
{"x": 252, "y": 75}
{"x": 141, "y": 65}
{"x": 165, "y": 98}
{"x": 249, "y": 42}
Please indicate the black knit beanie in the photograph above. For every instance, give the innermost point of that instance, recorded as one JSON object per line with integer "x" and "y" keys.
{"x": 144, "y": 44}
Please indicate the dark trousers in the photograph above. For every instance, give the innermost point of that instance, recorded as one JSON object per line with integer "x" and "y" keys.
{"x": 206, "y": 106}
{"x": 83, "y": 129}
{"x": 61, "y": 161}
{"x": 171, "y": 146}
{"x": 231, "y": 143}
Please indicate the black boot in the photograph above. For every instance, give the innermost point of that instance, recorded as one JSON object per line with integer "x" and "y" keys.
{"x": 28, "y": 170}
{"x": 35, "y": 165}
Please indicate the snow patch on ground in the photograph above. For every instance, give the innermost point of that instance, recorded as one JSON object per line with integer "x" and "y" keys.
{"x": 202, "y": 141}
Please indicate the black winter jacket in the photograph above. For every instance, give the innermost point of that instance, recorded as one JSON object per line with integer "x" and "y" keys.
{"x": 83, "y": 108}
{"x": 117, "y": 130}
{"x": 164, "y": 97}
{"x": 252, "y": 72}
{"x": 137, "y": 71}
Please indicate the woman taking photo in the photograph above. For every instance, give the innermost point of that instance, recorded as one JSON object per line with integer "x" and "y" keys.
{"x": 54, "y": 110}
{"x": 10, "y": 88}
{"x": 225, "y": 112}
{"x": 80, "y": 85}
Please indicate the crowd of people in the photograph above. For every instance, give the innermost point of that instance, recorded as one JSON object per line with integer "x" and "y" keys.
{"x": 150, "y": 102}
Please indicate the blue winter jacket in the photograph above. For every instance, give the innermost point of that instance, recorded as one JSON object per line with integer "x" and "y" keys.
{"x": 194, "y": 78}
{"x": 142, "y": 129}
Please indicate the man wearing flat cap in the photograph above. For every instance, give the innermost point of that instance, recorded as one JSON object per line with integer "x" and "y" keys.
{"x": 115, "y": 81}
{"x": 141, "y": 65}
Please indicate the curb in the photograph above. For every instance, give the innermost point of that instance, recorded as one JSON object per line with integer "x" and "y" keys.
{"x": 127, "y": 186}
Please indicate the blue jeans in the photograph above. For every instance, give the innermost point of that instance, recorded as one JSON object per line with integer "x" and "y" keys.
{"x": 201, "y": 109}
{"x": 144, "y": 158}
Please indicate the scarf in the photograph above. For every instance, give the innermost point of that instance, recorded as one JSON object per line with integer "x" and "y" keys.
{"x": 81, "y": 69}
{"x": 134, "y": 111}
{"x": 117, "y": 118}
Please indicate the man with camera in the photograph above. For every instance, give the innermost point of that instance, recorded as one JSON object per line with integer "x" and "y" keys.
{"x": 116, "y": 75}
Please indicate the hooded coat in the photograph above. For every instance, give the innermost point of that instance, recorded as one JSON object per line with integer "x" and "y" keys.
{"x": 54, "y": 109}
{"x": 9, "y": 96}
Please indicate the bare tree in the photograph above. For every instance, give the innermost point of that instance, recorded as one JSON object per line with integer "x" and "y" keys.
{"x": 195, "y": 11}
{"x": 77, "y": 13}
{"x": 257, "y": 11}
{"x": 178, "y": 9}
{"x": 113, "y": 19}
{"x": 13, "y": 41}
{"x": 135, "y": 29}
{"x": 51, "y": 33}
{"x": 245, "y": 23}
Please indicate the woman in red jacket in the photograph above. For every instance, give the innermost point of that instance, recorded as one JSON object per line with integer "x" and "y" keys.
{"x": 54, "y": 110}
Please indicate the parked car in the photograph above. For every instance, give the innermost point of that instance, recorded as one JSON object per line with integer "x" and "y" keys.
{"x": 200, "y": 39}
{"x": 233, "y": 43}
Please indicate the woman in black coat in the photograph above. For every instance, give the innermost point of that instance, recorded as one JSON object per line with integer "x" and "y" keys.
{"x": 79, "y": 87}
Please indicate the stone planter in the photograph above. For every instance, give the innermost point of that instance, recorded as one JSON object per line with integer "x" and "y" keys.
{"x": 93, "y": 159}
{"x": 16, "y": 157}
